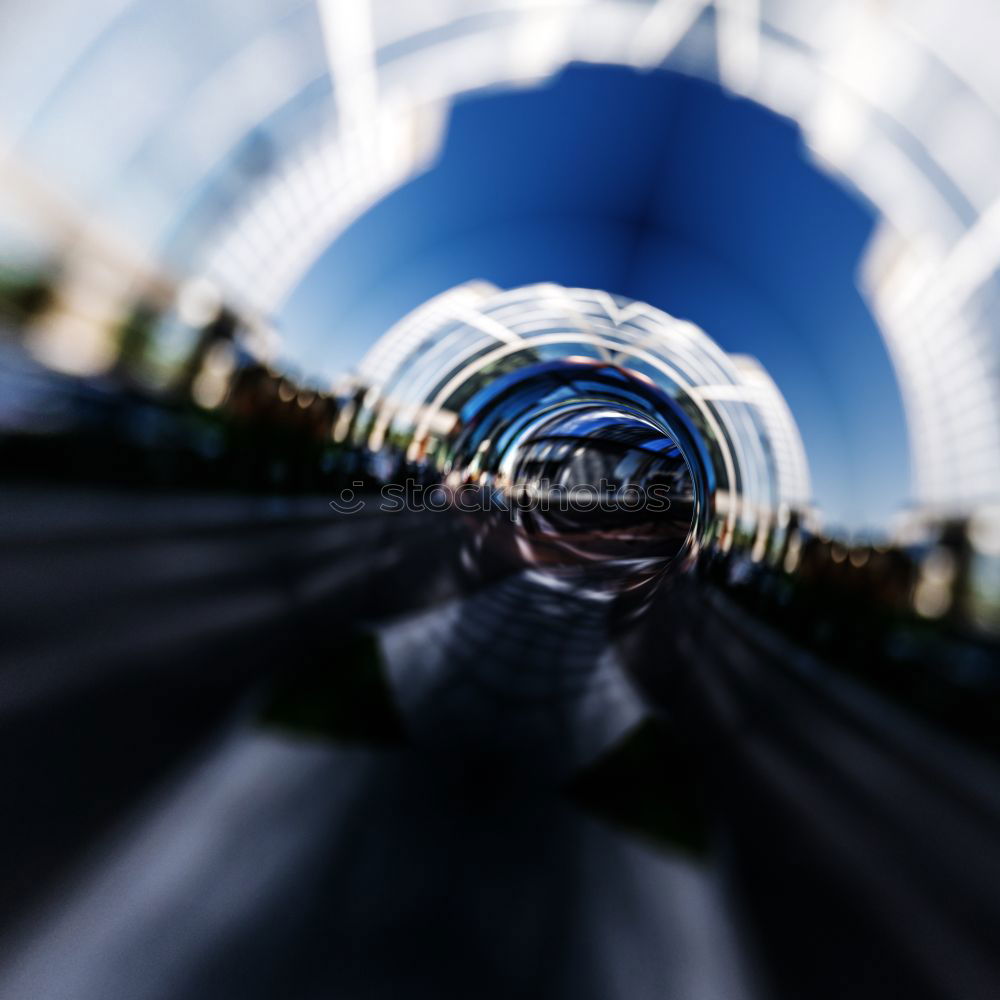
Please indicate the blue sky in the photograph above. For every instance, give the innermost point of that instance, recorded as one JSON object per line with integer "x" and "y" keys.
{"x": 660, "y": 188}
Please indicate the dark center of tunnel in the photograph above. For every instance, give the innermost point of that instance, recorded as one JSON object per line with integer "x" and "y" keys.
{"x": 594, "y": 478}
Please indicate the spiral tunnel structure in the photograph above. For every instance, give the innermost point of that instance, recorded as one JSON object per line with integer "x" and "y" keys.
{"x": 474, "y": 385}
{"x": 500, "y": 499}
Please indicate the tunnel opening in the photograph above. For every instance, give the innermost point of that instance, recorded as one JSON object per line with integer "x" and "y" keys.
{"x": 591, "y": 406}
{"x": 591, "y": 477}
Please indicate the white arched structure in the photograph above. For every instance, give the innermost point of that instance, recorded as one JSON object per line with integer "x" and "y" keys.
{"x": 417, "y": 369}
